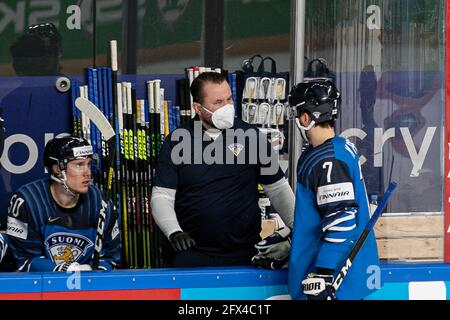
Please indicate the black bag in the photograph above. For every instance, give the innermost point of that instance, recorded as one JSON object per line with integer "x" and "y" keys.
{"x": 317, "y": 68}
{"x": 248, "y": 71}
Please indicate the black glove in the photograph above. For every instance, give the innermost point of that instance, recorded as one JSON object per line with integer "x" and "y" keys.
{"x": 318, "y": 287}
{"x": 181, "y": 241}
{"x": 273, "y": 251}
{"x": 261, "y": 261}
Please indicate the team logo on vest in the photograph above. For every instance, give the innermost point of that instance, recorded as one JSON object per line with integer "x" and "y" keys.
{"x": 67, "y": 247}
{"x": 236, "y": 148}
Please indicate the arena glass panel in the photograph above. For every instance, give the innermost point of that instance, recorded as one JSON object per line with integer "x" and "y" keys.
{"x": 74, "y": 21}
{"x": 257, "y": 27}
{"x": 387, "y": 58}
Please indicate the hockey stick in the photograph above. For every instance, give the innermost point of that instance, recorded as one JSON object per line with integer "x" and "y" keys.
{"x": 128, "y": 174}
{"x": 369, "y": 226}
{"x": 134, "y": 163}
{"x": 119, "y": 151}
{"x": 103, "y": 125}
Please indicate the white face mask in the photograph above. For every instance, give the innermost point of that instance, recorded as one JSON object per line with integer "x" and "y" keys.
{"x": 223, "y": 118}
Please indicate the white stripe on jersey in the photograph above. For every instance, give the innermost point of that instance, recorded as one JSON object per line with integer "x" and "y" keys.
{"x": 350, "y": 151}
{"x": 350, "y": 216}
{"x": 354, "y": 151}
{"x": 332, "y": 214}
{"x": 341, "y": 229}
{"x": 334, "y": 240}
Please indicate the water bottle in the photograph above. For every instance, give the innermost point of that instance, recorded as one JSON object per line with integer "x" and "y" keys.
{"x": 373, "y": 203}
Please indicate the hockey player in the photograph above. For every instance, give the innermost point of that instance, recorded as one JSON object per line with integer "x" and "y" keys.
{"x": 209, "y": 211}
{"x": 331, "y": 207}
{"x": 52, "y": 222}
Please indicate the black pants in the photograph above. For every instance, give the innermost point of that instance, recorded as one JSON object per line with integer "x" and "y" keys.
{"x": 195, "y": 258}
{"x": 202, "y": 257}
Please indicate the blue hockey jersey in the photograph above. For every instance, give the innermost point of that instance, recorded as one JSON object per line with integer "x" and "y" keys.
{"x": 331, "y": 212}
{"x": 42, "y": 234}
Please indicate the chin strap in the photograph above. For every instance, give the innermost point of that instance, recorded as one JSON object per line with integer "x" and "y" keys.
{"x": 304, "y": 129}
{"x": 63, "y": 182}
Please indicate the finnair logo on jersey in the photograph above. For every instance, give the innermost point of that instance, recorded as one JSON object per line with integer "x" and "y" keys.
{"x": 17, "y": 228}
{"x": 67, "y": 247}
{"x": 335, "y": 192}
{"x": 82, "y": 151}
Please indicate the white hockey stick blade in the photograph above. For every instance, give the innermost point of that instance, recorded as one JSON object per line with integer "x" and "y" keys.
{"x": 96, "y": 116}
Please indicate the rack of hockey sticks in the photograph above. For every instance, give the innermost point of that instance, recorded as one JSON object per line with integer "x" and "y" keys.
{"x": 140, "y": 125}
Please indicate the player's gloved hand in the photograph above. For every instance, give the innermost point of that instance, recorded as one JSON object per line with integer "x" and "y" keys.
{"x": 71, "y": 267}
{"x": 181, "y": 241}
{"x": 318, "y": 287}
{"x": 273, "y": 251}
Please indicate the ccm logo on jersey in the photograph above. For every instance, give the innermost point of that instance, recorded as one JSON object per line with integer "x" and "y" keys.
{"x": 17, "y": 228}
{"x": 335, "y": 192}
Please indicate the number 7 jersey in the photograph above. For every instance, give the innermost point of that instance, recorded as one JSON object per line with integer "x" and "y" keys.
{"x": 331, "y": 211}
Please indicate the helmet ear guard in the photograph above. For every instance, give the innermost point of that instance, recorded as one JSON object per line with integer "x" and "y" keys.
{"x": 56, "y": 161}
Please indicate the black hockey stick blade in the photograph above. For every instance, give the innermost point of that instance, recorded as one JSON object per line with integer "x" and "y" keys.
{"x": 359, "y": 243}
